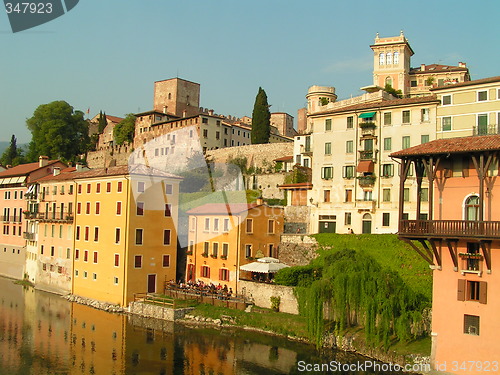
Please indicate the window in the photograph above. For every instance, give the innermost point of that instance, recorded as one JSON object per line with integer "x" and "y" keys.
{"x": 387, "y": 118}
{"x": 96, "y": 234}
{"x": 386, "y": 195}
{"x": 249, "y": 225}
{"x": 118, "y": 208}
{"x": 406, "y": 117}
{"x": 482, "y": 96}
{"x": 406, "y": 194}
{"x": 95, "y": 256}
{"x": 328, "y": 124}
{"x": 270, "y": 226}
{"x": 446, "y": 99}
{"x": 77, "y": 254}
{"x": 205, "y": 133}
{"x": 348, "y": 171}
{"x": 386, "y": 218}
{"x": 77, "y": 234}
{"x": 205, "y": 271}
{"x": 115, "y": 280}
{"x": 396, "y": 58}
{"x": 79, "y": 189}
{"x": 166, "y": 236}
{"x": 168, "y": 210}
{"x": 482, "y": 124}
{"x": 381, "y": 59}
{"x": 168, "y": 189}
{"x": 225, "y": 250}
{"x": 166, "y": 261}
{"x": 87, "y": 208}
{"x": 424, "y": 195}
{"x": 367, "y": 195}
{"x": 97, "y": 207}
{"x": 138, "y": 236}
{"x": 413, "y": 83}
{"x": 217, "y": 135}
{"x": 204, "y": 120}
{"x": 424, "y": 115}
{"x": 389, "y": 58}
{"x": 224, "y": 274}
{"x": 215, "y": 249}
{"x": 350, "y": 122}
{"x": 424, "y": 138}
{"x": 140, "y": 187}
{"x": 347, "y": 218}
{"x": 117, "y": 235}
{"x": 446, "y": 124}
{"x": 119, "y": 187}
{"x": 117, "y": 260}
{"x": 226, "y": 225}
{"x": 471, "y": 325}
{"x": 326, "y": 196}
{"x": 98, "y": 188}
{"x": 349, "y": 147}
{"x": 108, "y": 187}
{"x": 387, "y": 144}
{"x": 472, "y": 260}
{"x": 328, "y": 148}
{"x": 406, "y": 142}
{"x": 248, "y": 251}
{"x": 52, "y": 251}
{"x": 140, "y": 209}
{"x": 326, "y": 173}
{"x": 86, "y": 256}
{"x": 348, "y": 195}
{"x": 387, "y": 170}
{"x": 206, "y": 248}
{"x": 138, "y": 261}
{"x": 87, "y": 231}
{"x": 216, "y": 225}
{"x": 88, "y": 188}
{"x": 207, "y": 224}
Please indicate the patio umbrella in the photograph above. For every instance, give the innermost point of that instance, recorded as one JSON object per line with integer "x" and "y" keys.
{"x": 261, "y": 267}
{"x": 268, "y": 260}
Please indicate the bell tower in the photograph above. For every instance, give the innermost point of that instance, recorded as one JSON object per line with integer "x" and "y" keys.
{"x": 391, "y": 62}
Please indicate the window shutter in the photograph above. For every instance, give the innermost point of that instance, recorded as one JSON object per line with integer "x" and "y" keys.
{"x": 220, "y": 274}
{"x": 461, "y": 290}
{"x": 482, "y": 291}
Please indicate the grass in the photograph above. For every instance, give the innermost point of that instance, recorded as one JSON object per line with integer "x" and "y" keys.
{"x": 389, "y": 251}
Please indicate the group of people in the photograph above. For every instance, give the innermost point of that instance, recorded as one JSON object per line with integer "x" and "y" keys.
{"x": 199, "y": 287}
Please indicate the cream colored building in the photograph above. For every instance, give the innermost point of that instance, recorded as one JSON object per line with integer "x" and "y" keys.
{"x": 469, "y": 108}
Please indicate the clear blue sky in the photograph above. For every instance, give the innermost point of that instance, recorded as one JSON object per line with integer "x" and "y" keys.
{"x": 105, "y": 55}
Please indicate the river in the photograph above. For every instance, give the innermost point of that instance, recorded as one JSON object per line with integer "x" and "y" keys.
{"x": 42, "y": 333}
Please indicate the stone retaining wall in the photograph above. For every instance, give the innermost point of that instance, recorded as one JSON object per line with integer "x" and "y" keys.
{"x": 158, "y": 312}
{"x": 297, "y": 249}
{"x": 261, "y": 294}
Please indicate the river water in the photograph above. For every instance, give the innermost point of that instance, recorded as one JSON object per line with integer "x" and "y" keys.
{"x": 42, "y": 333}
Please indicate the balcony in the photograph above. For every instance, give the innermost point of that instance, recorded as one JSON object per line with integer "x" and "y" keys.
{"x": 56, "y": 216}
{"x": 367, "y": 155}
{"x": 305, "y": 150}
{"x": 365, "y": 205}
{"x": 366, "y": 181}
{"x": 486, "y": 129}
{"x": 450, "y": 229}
{"x": 29, "y": 236}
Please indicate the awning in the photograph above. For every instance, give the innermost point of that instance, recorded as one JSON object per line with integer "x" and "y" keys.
{"x": 12, "y": 180}
{"x": 261, "y": 267}
{"x": 365, "y": 166}
{"x": 367, "y": 115}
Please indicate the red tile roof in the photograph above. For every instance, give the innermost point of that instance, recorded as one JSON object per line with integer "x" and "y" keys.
{"x": 452, "y": 146}
{"x": 469, "y": 83}
{"x": 285, "y": 158}
{"x": 299, "y": 185}
{"x": 436, "y": 68}
{"x": 24, "y": 169}
{"x": 114, "y": 118}
{"x": 222, "y": 208}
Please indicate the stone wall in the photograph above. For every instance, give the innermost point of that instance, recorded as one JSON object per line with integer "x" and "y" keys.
{"x": 261, "y": 293}
{"x": 261, "y": 155}
{"x": 297, "y": 249}
{"x": 107, "y": 156}
{"x": 268, "y": 184}
{"x": 297, "y": 219}
{"x": 158, "y": 312}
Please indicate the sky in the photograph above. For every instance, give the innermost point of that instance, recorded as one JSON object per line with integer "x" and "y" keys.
{"x": 106, "y": 55}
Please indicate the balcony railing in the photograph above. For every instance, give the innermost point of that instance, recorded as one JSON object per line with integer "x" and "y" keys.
{"x": 367, "y": 155}
{"x": 486, "y": 130}
{"x": 450, "y": 228}
{"x": 55, "y": 216}
{"x": 365, "y": 181}
{"x": 29, "y": 236}
{"x": 11, "y": 219}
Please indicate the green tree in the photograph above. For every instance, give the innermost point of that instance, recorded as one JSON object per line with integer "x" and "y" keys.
{"x": 12, "y": 155}
{"x": 390, "y": 90}
{"x": 103, "y": 122}
{"x": 261, "y": 119}
{"x": 58, "y": 131}
{"x": 124, "y": 130}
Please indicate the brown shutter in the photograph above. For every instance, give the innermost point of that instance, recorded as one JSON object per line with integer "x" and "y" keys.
{"x": 482, "y": 291}
{"x": 465, "y": 167}
{"x": 461, "y": 290}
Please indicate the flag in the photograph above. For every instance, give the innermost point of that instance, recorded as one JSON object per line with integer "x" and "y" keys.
{"x": 88, "y": 110}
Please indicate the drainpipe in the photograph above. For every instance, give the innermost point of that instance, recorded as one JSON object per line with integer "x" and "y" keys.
{"x": 125, "y": 240}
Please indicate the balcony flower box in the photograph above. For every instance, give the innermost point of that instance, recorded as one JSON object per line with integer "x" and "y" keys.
{"x": 189, "y": 252}
{"x": 224, "y": 257}
{"x": 204, "y": 255}
{"x": 214, "y": 256}
{"x": 366, "y": 180}
{"x": 367, "y": 125}
{"x": 470, "y": 256}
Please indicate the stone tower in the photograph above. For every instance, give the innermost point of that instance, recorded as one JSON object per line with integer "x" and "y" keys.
{"x": 177, "y": 97}
{"x": 391, "y": 62}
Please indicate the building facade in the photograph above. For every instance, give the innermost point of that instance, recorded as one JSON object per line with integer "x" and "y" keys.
{"x": 460, "y": 239}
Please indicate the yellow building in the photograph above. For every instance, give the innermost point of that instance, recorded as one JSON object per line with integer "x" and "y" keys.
{"x": 224, "y": 237}
{"x": 469, "y": 108}
{"x": 125, "y": 232}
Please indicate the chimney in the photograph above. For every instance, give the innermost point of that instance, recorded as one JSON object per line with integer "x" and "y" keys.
{"x": 184, "y": 113}
{"x": 422, "y": 67}
{"x": 8, "y": 166}
{"x": 462, "y": 65}
{"x": 43, "y": 161}
{"x": 259, "y": 201}
{"x": 165, "y": 109}
{"x": 211, "y": 112}
{"x": 56, "y": 171}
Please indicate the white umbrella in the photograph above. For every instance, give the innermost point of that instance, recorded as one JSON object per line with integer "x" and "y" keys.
{"x": 268, "y": 260}
{"x": 261, "y": 267}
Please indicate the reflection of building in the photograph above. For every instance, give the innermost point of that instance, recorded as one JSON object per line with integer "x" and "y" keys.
{"x": 224, "y": 237}
{"x": 460, "y": 238}
{"x": 125, "y": 232}
{"x": 13, "y": 236}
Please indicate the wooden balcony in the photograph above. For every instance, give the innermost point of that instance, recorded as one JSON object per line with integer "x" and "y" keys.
{"x": 449, "y": 229}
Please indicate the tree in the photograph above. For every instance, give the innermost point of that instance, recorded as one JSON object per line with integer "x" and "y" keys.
{"x": 390, "y": 90}
{"x": 261, "y": 119}
{"x": 124, "y": 130}
{"x": 103, "y": 122}
{"x": 12, "y": 155}
{"x": 58, "y": 131}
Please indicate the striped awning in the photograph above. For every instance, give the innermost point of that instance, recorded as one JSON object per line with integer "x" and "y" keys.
{"x": 12, "y": 180}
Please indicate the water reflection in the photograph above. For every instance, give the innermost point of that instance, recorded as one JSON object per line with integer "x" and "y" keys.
{"x": 42, "y": 333}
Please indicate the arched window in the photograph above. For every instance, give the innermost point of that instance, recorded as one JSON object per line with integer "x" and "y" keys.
{"x": 381, "y": 59}
{"x": 388, "y": 59}
{"x": 367, "y": 223}
{"x": 396, "y": 58}
{"x": 472, "y": 208}
{"x": 388, "y": 81}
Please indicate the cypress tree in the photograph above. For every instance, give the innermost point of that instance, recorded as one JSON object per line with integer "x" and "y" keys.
{"x": 103, "y": 122}
{"x": 261, "y": 119}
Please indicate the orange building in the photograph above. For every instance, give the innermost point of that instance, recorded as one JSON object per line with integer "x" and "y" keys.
{"x": 223, "y": 237}
{"x": 461, "y": 241}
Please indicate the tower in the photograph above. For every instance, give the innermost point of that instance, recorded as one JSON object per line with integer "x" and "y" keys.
{"x": 177, "y": 97}
{"x": 391, "y": 62}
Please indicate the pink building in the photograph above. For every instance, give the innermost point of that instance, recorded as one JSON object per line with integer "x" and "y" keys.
{"x": 460, "y": 239}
